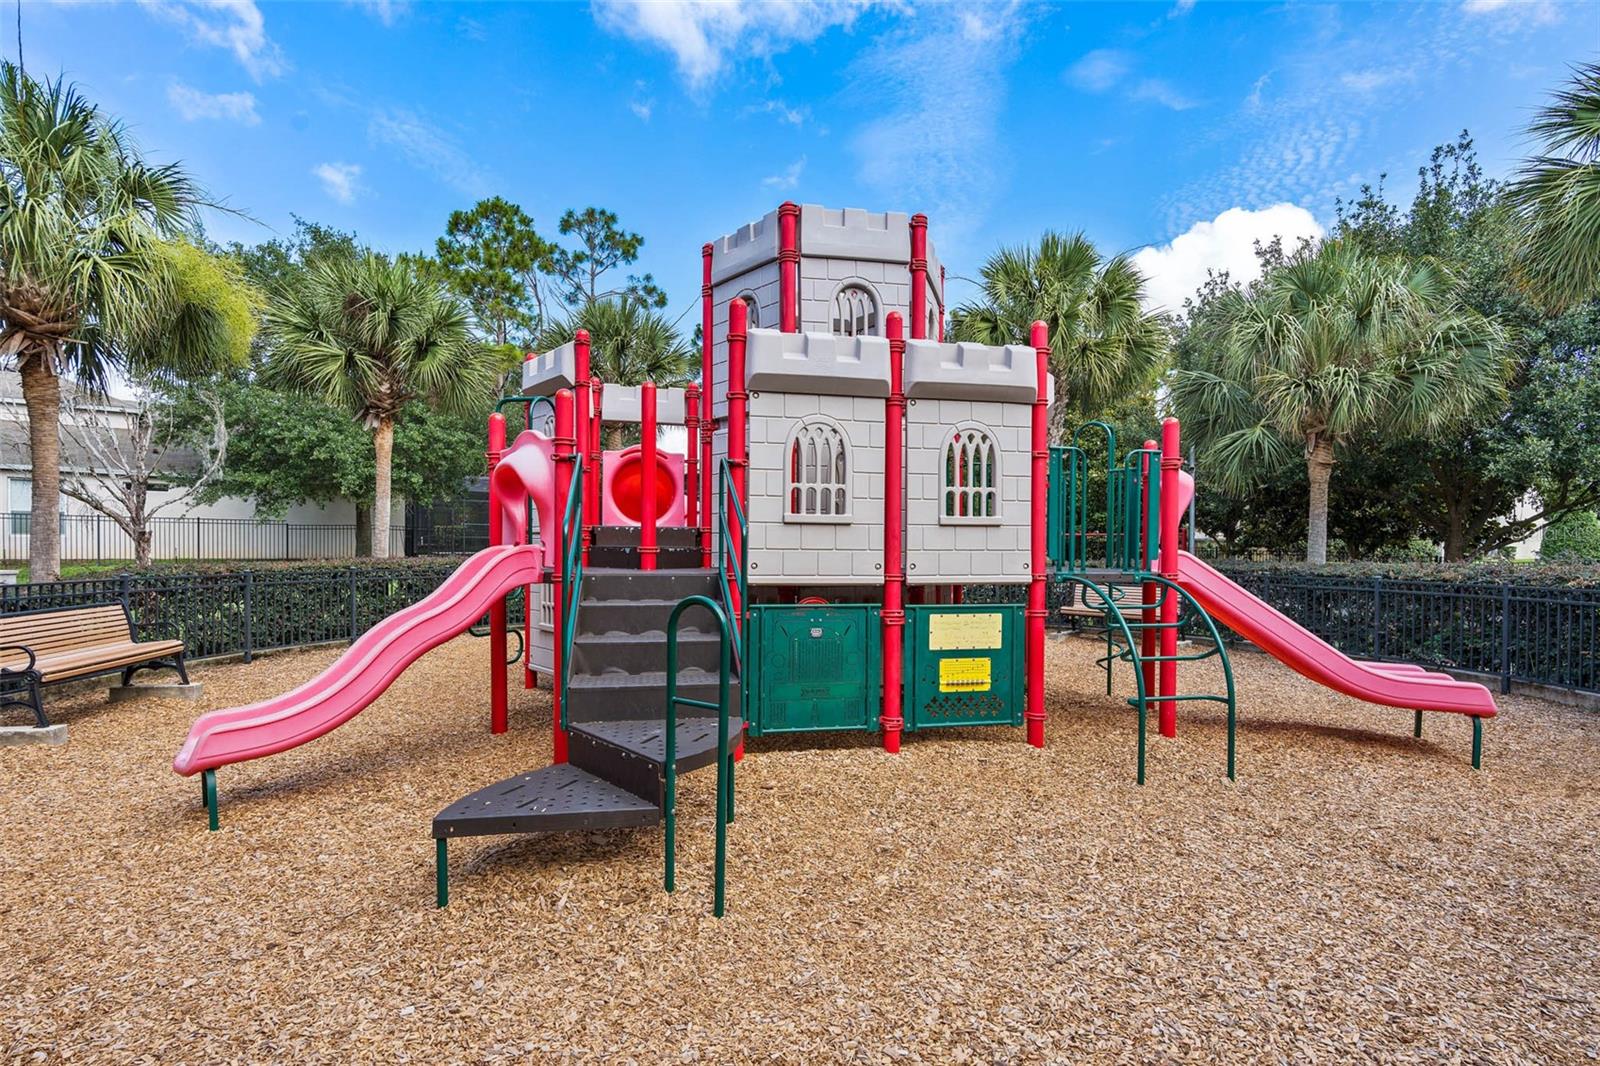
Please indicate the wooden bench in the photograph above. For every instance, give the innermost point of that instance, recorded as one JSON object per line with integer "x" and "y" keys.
{"x": 47, "y": 646}
{"x": 1126, "y": 597}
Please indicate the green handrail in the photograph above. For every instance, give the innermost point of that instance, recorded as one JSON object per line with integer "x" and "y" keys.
{"x": 531, "y": 401}
{"x": 1112, "y": 614}
{"x": 1081, "y": 489}
{"x": 571, "y": 577}
{"x": 724, "y": 757}
{"x": 731, "y": 571}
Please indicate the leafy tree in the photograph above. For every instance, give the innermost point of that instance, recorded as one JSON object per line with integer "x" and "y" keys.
{"x": 1104, "y": 347}
{"x": 90, "y": 279}
{"x": 1332, "y": 343}
{"x": 1558, "y": 195}
{"x": 371, "y": 335}
{"x": 1574, "y": 539}
{"x": 629, "y": 344}
{"x": 497, "y": 261}
{"x": 1462, "y": 486}
{"x": 603, "y": 247}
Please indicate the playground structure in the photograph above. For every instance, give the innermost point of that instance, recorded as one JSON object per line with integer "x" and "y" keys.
{"x": 802, "y": 567}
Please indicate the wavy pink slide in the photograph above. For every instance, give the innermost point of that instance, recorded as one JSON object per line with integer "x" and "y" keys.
{"x": 1391, "y": 684}
{"x": 360, "y": 675}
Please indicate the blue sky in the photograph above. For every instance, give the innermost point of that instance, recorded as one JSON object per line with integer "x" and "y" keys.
{"x": 1186, "y": 130}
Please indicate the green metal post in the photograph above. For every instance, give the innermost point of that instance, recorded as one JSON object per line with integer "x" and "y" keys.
{"x": 669, "y": 792}
{"x": 724, "y": 780}
{"x": 208, "y": 792}
{"x": 1477, "y": 742}
{"x": 441, "y": 850}
{"x": 1416, "y": 726}
{"x": 731, "y": 764}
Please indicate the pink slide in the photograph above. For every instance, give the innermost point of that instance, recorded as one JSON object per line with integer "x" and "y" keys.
{"x": 360, "y": 675}
{"x": 1391, "y": 684}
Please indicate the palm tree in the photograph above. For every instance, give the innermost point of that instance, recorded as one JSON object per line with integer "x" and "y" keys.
{"x": 1104, "y": 347}
{"x": 1330, "y": 344}
{"x": 89, "y": 278}
{"x": 629, "y": 344}
{"x": 1558, "y": 195}
{"x": 369, "y": 334}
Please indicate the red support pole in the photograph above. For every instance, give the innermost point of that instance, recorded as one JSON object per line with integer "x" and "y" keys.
{"x": 707, "y": 392}
{"x": 530, "y": 679}
{"x": 1171, "y": 461}
{"x": 647, "y": 476}
{"x": 919, "y": 277}
{"x": 738, "y": 316}
{"x": 497, "y": 610}
{"x": 1033, "y": 716}
{"x": 892, "y": 720}
{"x": 789, "y": 267}
{"x": 1148, "y": 593}
{"x": 580, "y": 374}
{"x": 691, "y": 458}
{"x": 565, "y": 446}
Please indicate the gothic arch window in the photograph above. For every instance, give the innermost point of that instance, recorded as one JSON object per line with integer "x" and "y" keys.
{"x": 818, "y": 475}
{"x": 970, "y": 493}
{"x": 752, "y": 318}
{"x": 855, "y": 311}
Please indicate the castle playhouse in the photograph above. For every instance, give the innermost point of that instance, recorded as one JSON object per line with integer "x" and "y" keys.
{"x": 802, "y": 566}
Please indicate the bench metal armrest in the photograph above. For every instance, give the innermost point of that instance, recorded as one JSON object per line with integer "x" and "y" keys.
{"x": 32, "y": 658}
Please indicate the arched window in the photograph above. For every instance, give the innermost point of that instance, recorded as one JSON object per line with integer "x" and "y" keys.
{"x": 855, "y": 312}
{"x": 819, "y": 470}
{"x": 752, "y": 319}
{"x": 971, "y": 491}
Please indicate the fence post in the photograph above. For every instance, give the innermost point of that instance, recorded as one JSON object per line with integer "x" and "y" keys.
{"x": 249, "y": 605}
{"x": 1505, "y": 639}
{"x": 352, "y": 605}
{"x": 285, "y": 540}
{"x": 1377, "y": 617}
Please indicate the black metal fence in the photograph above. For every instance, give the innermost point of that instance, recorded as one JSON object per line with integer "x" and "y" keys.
{"x": 249, "y": 611}
{"x": 96, "y": 538}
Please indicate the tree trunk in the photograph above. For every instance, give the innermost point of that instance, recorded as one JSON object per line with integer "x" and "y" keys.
{"x": 1319, "y": 470}
{"x": 1455, "y": 534}
{"x": 364, "y": 530}
{"x": 41, "y": 392}
{"x": 383, "y": 456}
{"x": 143, "y": 548}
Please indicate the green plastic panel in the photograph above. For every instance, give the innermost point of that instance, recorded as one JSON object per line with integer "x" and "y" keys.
{"x": 814, "y": 668}
{"x": 964, "y": 665}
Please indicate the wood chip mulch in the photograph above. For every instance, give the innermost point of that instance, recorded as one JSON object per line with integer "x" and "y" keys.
{"x": 1357, "y": 896}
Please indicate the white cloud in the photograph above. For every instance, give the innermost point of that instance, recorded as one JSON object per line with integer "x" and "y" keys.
{"x": 192, "y": 104}
{"x": 703, "y": 35}
{"x": 1180, "y": 9}
{"x": 1099, "y": 70}
{"x": 1252, "y": 103}
{"x": 937, "y": 100}
{"x": 1226, "y": 243}
{"x": 1158, "y": 91}
{"x": 236, "y": 25}
{"x": 788, "y": 179}
{"x": 387, "y": 12}
{"x": 794, "y": 116}
{"x": 642, "y": 108}
{"x": 1366, "y": 81}
{"x": 339, "y": 180}
{"x": 428, "y": 148}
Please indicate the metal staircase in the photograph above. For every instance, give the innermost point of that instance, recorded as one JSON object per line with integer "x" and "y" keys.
{"x": 615, "y": 706}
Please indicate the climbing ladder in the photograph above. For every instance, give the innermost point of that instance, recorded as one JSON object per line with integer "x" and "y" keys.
{"x": 634, "y": 655}
{"x": 1103, "y": 580}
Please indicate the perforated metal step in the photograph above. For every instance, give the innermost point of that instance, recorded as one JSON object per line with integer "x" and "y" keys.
{"x": 555, "y": 797}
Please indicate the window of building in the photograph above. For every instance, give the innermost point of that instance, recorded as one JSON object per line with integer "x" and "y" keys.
{"x": 752, "y": 320}
{"x": 819, "y": 466}
{"x": 971, "y": 477}
{"x": 855, "y": 312}
{"x": 19, "y": 502}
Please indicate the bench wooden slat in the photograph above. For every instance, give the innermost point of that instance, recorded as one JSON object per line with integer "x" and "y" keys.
{"x": 76, "y": 642}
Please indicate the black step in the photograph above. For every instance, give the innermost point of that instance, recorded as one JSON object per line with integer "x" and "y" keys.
{"x": 615, "y": 695}
{"x": 640, "y": 617}
{"x": 628, "y": 558}
{"x": 628, "y": 537}
{"x": 633, "y": 753}
{"x": 557, "y": 797}
{"x": 616, "y": 583}
{"x": 638, "y": 653}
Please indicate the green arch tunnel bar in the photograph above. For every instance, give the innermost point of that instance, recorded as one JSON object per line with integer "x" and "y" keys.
{"x": 669, "y": 815}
